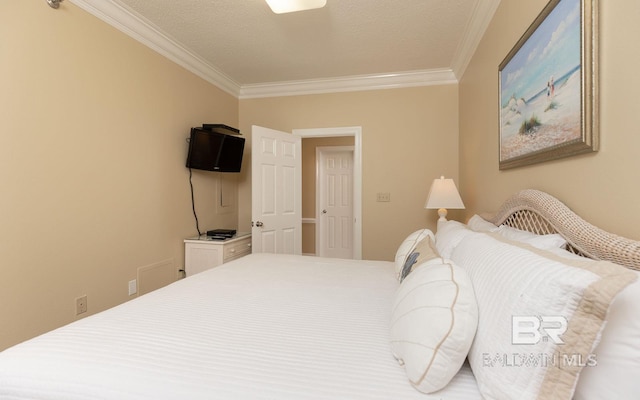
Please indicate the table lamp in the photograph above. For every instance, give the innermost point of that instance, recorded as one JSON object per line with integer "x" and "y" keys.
{"x": 442, "y": 195}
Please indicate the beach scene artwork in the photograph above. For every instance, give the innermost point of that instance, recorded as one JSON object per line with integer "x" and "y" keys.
{"x": 540, "y": 86}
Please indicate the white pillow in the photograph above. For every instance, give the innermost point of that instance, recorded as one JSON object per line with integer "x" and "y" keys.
{"x": 514, "y": 281}
{"x": 479, "y": 224}
{"x": 407, "y": 246}
{"x": 543, "y": 242}
{"x": 618, "y": 353}
{"x": 617, "y": 373}
{"x": 448, "y": 235}
{"x": 433, "y": 323}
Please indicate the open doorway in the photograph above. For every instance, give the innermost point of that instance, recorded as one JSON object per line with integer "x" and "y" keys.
{"x": 313, "y": 139}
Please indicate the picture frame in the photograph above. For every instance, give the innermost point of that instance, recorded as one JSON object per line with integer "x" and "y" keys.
{"x": 548, "y": 87}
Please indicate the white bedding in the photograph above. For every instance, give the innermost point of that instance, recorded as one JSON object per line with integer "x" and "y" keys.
{"x": 261, "y": 327}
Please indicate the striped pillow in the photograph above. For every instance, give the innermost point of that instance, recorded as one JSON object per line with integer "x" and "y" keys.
{"x": 541, "y": 316}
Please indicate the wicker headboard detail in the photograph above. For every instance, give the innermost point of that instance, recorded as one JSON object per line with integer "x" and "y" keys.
{"x": 541, "y": 213}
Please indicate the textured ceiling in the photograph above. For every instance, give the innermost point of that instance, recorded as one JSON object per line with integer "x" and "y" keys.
{"x": 246, "y": 42}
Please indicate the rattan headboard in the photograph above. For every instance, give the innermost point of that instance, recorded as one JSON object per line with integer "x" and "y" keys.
{"x": 541, "y": 213}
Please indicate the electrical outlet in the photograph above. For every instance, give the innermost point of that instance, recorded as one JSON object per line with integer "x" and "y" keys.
{"x": 81, "y": 305}
{"x": 133, "y": 287}
{"x": 384, "y": 197}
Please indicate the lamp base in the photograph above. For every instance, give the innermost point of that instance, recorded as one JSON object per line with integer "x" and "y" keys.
{"x": 442, "y": 212}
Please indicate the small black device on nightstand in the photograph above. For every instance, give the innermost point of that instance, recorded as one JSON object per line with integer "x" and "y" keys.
{"x": 222, "y": 233}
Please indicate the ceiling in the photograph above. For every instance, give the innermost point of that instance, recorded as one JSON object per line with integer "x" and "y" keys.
{"x": 248, "y": 51}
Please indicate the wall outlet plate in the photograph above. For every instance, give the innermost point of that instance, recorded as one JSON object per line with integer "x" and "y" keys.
{"x": 81, "y": 305}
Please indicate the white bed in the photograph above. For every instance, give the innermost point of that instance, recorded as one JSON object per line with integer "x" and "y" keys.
{"x": 268, "y": 327}
{"x": 260, "y": 327}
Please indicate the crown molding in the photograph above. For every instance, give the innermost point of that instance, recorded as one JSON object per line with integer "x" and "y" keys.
{"x": 142, "y": 30}
{"x": 131, "y": 24}
{"x": 349, "y": 84}
{"x": 478, "y": 24}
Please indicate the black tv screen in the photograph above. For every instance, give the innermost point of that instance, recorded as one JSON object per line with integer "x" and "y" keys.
{"x": 214, "y": 151}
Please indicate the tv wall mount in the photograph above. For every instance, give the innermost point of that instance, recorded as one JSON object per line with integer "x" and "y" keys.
{"x": 220, "y": 128}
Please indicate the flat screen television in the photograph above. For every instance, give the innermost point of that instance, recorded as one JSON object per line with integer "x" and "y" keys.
{"x": 214, "y": 151}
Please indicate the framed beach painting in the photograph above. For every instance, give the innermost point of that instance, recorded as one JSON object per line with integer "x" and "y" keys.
{"x": 549, "y": 87}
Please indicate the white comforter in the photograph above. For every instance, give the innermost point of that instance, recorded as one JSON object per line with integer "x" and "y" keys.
{"x": 261, "y": 327}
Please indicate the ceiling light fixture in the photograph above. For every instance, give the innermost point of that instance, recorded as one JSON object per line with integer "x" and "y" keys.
{"x": 287, "y": 6}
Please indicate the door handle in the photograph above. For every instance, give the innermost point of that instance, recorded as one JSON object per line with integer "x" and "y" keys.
{"x": 259, "y": 224}
{"x": 324, "y": 211}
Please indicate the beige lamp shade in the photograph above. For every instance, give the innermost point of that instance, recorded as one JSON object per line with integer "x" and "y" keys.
{"x": 442, "y": 195}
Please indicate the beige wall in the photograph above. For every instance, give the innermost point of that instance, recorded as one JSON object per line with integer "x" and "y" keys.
{"x": 309, "y": 146}
{"x": 409, "y": 137}
{"x": 603, "y": 187}
{"x": 92, "y": 152}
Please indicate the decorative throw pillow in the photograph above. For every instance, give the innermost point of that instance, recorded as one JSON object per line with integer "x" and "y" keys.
{"x": 408, "y": 265}
{"x": 407, "y": 246}
{"x": 541, "y": 316}
{"x": 425, "y": 250}
{"x": 433, "y": 323}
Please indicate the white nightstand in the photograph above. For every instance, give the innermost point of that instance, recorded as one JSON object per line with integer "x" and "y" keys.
{"x": 202, "y": 253}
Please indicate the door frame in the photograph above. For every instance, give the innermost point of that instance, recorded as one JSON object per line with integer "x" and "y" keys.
{"x": 356, "y": 132}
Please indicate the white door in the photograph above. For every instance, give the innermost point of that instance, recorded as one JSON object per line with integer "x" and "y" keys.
{"x": 335, "y": 201}
{"x": 356, "y": 132}
{"x": 276, "y": 177}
